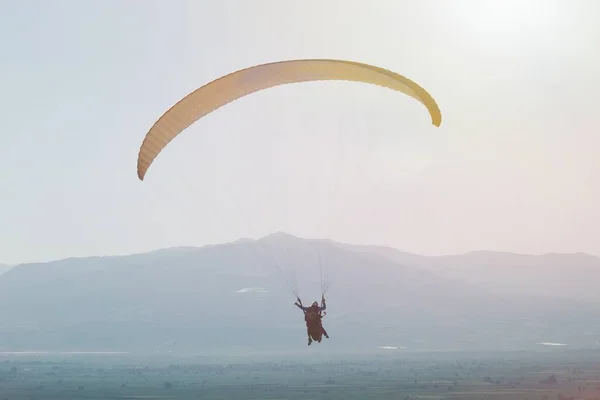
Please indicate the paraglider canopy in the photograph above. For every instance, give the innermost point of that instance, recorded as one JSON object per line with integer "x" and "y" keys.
{"x": 238, "y": 84}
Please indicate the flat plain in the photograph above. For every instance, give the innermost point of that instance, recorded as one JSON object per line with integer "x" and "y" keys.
{"x": 530, "y": 375}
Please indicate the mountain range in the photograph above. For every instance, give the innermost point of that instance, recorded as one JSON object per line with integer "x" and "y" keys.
{"x": 238, "y": 296}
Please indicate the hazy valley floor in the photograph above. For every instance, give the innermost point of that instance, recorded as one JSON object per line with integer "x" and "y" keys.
{"x": 403, "y": 376}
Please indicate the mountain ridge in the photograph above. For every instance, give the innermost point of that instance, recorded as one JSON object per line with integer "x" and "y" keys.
{"x": 191, "y": 299}
{"x": 281, "y": 234}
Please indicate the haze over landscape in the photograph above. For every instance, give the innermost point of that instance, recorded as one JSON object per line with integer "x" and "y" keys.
{"x": 513, "y": 166}
{"x": 191, "y": 300}
{"x": 461, "y": 261}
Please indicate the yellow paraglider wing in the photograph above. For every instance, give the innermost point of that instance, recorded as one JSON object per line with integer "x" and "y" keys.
{"x": 238, "y": 84}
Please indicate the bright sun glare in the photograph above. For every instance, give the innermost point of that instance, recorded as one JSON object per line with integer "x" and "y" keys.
{"x": 499, "y": 23}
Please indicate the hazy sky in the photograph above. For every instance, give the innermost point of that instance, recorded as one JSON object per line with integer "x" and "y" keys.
{"x": 514, "y": 166}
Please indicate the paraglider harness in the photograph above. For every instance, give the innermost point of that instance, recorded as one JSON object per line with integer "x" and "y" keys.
{"x": 312, "y": 317}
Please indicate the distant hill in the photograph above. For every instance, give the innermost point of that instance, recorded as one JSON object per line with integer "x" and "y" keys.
{"x": 233, "y": 296}
{"x": 574, "y": 276}
{"x": 4, "y": 268}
